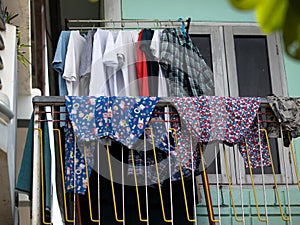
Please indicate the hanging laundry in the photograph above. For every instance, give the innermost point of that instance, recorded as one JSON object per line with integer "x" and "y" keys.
{"x": 183, "y": 65}
{"x": 75, "y": 164}
{"x": 113, "y": 62}
{"x": 257, "y": 149}
{"x": 155, "y": 49}
{"x": 58, "y": 64}
{"x": 152, "y": 64}
{"x": 99, "y": 82}
{"x": 127, "y": 52}
{"x": 141, "y": 67}
{"x": 287, "y": 111}
{"x": 86, "y": 62}
{"x": 72, "y": 62}
{"x": 127, "y": 117}
{"x": 122, "y": 119}
{"x": 24, "y": 180}
{"x": 211, "y": 118}
{"x": 81, "y": 111}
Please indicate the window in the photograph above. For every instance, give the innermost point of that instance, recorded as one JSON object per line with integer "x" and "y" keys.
{"x": 245, "y": 62}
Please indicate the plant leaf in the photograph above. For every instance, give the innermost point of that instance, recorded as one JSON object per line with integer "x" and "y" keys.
{"x": 291, "y": 30}
{"x": 271, "y": 14}
{"x": 245, "y": 4}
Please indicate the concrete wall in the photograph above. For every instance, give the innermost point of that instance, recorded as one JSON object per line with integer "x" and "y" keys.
{"x": 8, "y": 76}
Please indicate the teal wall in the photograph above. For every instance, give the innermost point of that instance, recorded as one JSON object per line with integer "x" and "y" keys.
{"x": 221, "y": 11}
{"x": 198, "y": 10}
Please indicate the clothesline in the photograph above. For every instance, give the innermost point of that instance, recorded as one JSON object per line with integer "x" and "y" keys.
{"x": 72, "y": 24}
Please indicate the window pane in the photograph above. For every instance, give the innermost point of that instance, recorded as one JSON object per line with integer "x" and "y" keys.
{"x": 252, "y": 65}
{"x": 204, "y": 46}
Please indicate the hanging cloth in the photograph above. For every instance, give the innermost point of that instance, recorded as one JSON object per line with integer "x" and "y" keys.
{"x": 141, "y": 67}
{"x": 125, "y": 118}
{"x": 152, "y": 64}
{"x": 287, "y": 111}
{"x": 212, "y": 118}
{"x": 183, "y": 65}
{"x": 122, "y": 119}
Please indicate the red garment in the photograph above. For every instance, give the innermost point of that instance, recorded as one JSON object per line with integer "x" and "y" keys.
{"x": 141, "y": 68}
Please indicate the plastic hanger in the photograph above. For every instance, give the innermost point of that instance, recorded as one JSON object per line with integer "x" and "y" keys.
{"x": 182, "y": 26}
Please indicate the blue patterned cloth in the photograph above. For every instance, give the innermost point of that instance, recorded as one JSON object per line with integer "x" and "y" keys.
{"x": 123, "y": 119}
{"x": 75, "y": 164}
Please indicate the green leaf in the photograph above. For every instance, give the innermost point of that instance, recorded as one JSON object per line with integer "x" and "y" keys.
{"x": 245, "y": 4}
{"x": 291, "y": 30}
{"x": 271, "y": 14}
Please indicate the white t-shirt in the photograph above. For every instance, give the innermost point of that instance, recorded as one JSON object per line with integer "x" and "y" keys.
{"x": 128, "y": 51}
{"x": 155, "y": 47}
{"x": 98, "y": 81}
{"x": 71, "y": 71}
{"x": 119, "y": 59}
{"x": 113, "y": 63}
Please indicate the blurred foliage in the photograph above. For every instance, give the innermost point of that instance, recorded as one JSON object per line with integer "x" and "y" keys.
{"x": 277, "y": 15}
{"x": 21, "y": 53}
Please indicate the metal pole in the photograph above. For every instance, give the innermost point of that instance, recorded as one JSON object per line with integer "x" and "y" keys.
{"x": 208, "y": 198}
{"x": 36, "y": 182}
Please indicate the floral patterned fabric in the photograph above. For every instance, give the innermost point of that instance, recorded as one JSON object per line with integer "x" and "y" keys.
{"x": 257, "y": 147}
{"x": 124, "y": 119}
{"x": 203, "y": 119}
{"x": 211, "y": 118}
{"x": 81, "y": 111}
{"x": 75, "y": 165}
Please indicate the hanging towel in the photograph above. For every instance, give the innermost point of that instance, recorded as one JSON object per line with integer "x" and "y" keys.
{"x": 24, "y": 181}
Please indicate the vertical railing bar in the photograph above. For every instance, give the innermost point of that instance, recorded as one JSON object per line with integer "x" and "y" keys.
{"x": 241, "y": 191}
{"x": 98, "y": 180}
{"x": 123, "y": 190}
{"x": 274, "y": 177}
{"x": 286, "y": 181}
{"x": 42, "y": 174}
{"x": 217, "y": 179}
{"x": 63, "y": 177}
{"x": 137, "y": 189}
{"x": 74, "y": 178}
{"x": 170, "y": 176}
{"x": 253, "y": 185}
{"x": 36, "y": 182}
{"x": 262, "y": 173}
{"x": 205, "y": 183}
{"x": 294, "y": 160}
{"x": 146, "y": 178}
{"x": 158, "y": 178}
{"x": 89, "y": 188}
{"x": 230, "y": 185}
{"x": 193, "y": 182}
{"x": 112, "y": 185}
